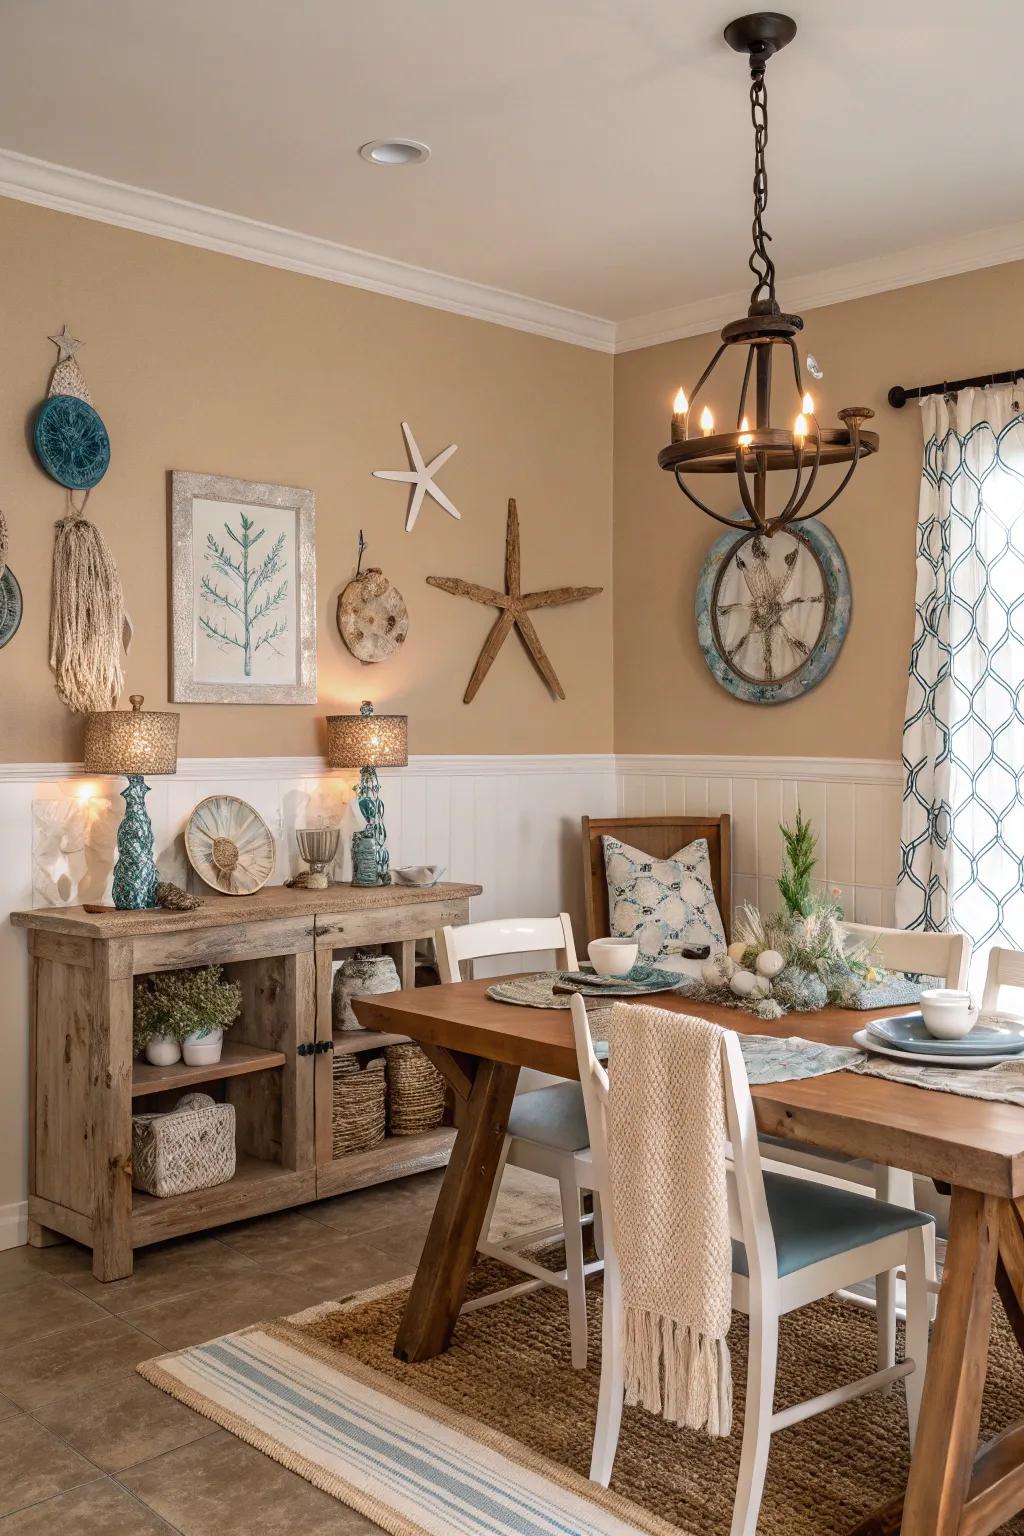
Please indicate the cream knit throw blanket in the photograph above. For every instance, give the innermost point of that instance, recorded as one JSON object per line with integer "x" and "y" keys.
{"x": 666, "y": 1144}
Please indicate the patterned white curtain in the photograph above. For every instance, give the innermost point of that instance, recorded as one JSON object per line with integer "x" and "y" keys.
{"x": 963, "y": 741}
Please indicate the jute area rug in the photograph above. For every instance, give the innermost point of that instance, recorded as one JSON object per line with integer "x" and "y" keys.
{"x": 494, "y": 1437}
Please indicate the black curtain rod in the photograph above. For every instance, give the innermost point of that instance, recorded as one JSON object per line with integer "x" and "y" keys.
{"x": 898, "y": 396}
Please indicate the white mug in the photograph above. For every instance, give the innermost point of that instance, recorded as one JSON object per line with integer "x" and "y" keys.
{"x": 613, "y": 957}
{"x": 947, "y": 1013}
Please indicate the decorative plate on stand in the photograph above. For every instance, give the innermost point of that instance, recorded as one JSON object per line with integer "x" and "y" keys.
{"x": 772, "y": 613}
{"x": 229, "y": 845}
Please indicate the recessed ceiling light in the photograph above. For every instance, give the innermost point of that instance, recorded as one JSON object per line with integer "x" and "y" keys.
{"x": 395, "y": 152}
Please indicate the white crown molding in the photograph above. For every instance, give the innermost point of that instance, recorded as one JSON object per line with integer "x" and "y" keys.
{"x": 834, "y": 770}
{"x": 250, "y": 769}
{"x": 154, "y": 213}
{"x": 835, "y": 285}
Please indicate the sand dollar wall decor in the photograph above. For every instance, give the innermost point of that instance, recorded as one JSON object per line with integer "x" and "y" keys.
{"x": 373, "y": 620}
{"x": 229, "y": 845}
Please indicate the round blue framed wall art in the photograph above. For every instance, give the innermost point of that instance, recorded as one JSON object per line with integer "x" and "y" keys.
{"x": 772, "y": 613}
{"x": 71, "y": 442}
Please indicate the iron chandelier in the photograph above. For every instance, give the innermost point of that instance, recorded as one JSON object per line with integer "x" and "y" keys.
{"x": 754, "y": 452}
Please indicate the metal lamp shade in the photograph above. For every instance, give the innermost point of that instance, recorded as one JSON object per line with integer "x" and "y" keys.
{"x": 367, "y": 741}
{"x": 131, "y": 741}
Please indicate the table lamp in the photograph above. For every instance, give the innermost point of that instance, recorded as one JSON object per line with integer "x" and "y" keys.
{"x": 367, "y": 741}
{"x": 133, "y": 743}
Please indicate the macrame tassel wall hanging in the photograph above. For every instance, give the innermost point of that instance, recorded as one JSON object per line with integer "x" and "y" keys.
{"x": 88, "y": 623}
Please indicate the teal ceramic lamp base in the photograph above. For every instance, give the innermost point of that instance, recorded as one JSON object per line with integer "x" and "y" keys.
{"x": 135, "y": 873}
{"x": 372, "y": 807}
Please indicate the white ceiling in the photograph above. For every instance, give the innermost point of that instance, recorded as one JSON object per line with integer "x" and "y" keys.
{"x": 594, "y": 154}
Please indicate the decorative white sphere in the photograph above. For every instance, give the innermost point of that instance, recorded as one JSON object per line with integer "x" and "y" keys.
{"x": 769, "y": 963}
{"x": 743, "y": 983}
{"x": 711, "y": 975}
{"x": 736, "y": 951}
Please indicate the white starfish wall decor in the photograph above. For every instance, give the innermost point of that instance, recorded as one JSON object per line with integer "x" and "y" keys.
{"x": 421, "y": 478}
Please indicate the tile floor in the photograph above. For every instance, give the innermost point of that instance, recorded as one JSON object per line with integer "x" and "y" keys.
{"x": 87, "y": 1448}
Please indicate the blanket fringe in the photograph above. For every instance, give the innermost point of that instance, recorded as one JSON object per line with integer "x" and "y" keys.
{"x": 672, "y": 1370}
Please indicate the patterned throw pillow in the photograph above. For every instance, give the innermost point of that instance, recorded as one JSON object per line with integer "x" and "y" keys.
{"x": 658, "y": 900}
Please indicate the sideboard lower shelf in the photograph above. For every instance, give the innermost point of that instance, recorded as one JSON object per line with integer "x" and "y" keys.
{"x": 282, "y": 948}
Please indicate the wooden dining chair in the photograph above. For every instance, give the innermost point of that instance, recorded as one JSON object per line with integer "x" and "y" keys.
{"x": 948, "y": 957}
{"x": 793, "y": 1244}
{"x": 547, "y": 1127}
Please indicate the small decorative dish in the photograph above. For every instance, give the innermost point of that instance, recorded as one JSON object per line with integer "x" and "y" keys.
{"x": 229, "y": 845}
{"x": 868, "y": 1042}
{"x": 994, "y": 1034}
{"x": 418, "y": 874}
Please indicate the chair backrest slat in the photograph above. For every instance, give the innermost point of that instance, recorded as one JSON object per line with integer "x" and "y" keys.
{"x": 930, "y": 954}
{"x": 504, "y": 936}
{"x": 1005, "y": 969}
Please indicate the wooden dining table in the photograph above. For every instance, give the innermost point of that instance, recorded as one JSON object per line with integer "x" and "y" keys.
{"x": 973, "y": 1147}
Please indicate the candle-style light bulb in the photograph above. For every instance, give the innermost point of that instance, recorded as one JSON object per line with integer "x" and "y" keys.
{"x": 800, "y": 430}
{"x": 707, "y": 422}
{"x": 807, "y": 405}
{"x": 680, "y": 412}
{"x": 746, "y": 436}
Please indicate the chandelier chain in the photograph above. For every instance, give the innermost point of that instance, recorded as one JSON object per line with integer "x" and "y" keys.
{"x": 760, "y": 262}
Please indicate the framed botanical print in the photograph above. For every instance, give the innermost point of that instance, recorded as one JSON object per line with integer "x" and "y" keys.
{"x": 243, "y": 591}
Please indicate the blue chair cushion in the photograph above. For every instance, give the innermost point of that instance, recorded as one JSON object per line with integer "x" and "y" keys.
{"x": 812, "y": 1222}
{"x": 554, "y": 1117}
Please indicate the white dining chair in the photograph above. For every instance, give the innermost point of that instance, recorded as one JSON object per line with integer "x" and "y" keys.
{"x": 793, "y": 1243}
{"x": 547, "y": 1127}
{"x": 947, "y": 956}
{"x": 1005, "y": 969}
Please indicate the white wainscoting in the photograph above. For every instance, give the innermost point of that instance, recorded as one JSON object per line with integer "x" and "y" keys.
{"x": 854, "y": 805}
{"x": 511, "y": 824}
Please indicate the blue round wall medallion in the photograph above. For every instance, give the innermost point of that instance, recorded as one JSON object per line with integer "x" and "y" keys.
{"x": 10, "y": 606}
{"x": 71, "y": 442}
{"x": 772, "y": 614}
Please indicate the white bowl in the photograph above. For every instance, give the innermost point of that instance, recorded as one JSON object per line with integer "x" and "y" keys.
{"x": 613, "y": 957}
{"x": 947, "y": 1013}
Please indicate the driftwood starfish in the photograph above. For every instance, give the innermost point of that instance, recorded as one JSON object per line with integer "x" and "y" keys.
{"x": 515, "y": 606}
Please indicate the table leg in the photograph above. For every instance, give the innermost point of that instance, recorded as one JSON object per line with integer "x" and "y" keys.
{"x": 439, "y": 1287}
{"x": 942, "y": 1497}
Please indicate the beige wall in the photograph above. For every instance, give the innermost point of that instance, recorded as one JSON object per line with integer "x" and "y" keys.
{"x": 200, "y": 361}
{"x": 665, "y": 698}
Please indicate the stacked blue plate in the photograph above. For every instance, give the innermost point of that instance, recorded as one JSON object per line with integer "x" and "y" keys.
{"x": 991, "y": 1036}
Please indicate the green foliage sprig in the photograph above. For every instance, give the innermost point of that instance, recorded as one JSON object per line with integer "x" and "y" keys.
{"x": 180, "y": 1003}
{"x": 801, "y": 857}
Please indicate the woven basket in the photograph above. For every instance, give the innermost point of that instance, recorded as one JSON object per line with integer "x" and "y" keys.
{"x": 416, "y": 1091}
{"x": 192, "y": 1147}
{"x": 358, "y": 1104}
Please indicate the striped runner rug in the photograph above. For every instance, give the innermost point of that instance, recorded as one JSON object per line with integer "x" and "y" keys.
{"x": 410, "y": 1465}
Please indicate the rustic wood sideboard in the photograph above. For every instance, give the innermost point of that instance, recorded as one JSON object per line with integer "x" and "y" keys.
{"x": 277, "y": 1067}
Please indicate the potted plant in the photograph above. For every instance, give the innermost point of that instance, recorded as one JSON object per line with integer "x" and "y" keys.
{"x": 185, "y": 1013}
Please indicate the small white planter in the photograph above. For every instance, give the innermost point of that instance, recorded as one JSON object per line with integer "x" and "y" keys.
{"x": 202, "y": 1050}
{"x": 162, "y": 1051}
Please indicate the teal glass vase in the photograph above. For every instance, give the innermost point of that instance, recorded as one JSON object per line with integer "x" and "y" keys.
{"x": 135, "y": 873}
